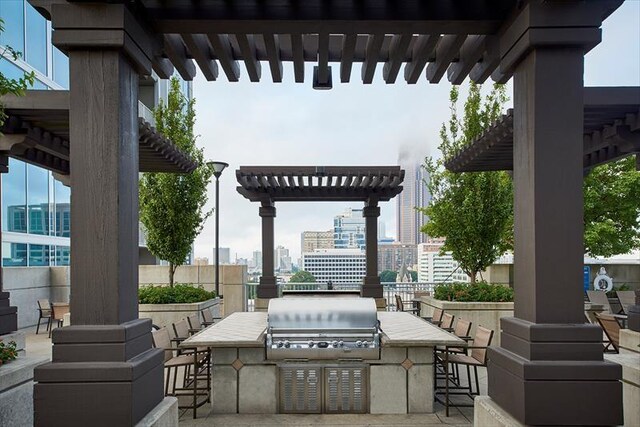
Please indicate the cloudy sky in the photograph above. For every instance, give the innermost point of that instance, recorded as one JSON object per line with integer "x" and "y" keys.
{"x": 286, "y": 123}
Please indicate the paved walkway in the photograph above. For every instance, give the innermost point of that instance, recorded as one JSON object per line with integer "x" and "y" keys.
{"x": 41, "y": 345}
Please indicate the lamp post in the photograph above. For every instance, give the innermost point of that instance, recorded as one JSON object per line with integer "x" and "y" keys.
{"x": 217, "y": 168}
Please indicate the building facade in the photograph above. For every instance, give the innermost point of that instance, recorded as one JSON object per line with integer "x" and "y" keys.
{"x": 312, "y": 240}
{"x": 36, "y": 209}
{"x": 436, "y": 268}
{"x": 282, "y": 260}
{"x": 395, "y": 255}
{"x": 339, "y": 266}
{"x": 415, "y": 194}
{"x": 349, "y": 230}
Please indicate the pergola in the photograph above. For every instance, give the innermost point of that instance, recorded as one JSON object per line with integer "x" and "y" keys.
{"x": 549, "y": 368}
{"x": 368, "y": 184}
{"x": 611, "y": 131}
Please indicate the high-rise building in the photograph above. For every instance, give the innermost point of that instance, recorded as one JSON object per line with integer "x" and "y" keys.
{"x": 395, "y": 255}
{"x": 415, "y": 194}
{"x": 349, "y": 230}
{"x": 339, "y": 266}
{"x": 436, "y": 268}
{"x": 36, "y": 210}
{"x": 224, "y": 255}
{"x": 282, "y": 259}
{"x": 312, "y": 240}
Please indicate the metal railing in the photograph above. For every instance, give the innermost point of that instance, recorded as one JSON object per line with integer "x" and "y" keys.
{"x": 407, "y": 291}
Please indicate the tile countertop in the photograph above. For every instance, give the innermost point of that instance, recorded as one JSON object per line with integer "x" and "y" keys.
{"x": 248, "y": 330}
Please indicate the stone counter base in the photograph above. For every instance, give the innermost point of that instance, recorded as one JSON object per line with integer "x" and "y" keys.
{"x": 243, "y": 382}
{"x": 487, "y": 413}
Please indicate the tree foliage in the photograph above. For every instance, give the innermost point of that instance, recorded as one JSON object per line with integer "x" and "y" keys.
{"x": 302, "y": 276}
{"x": 472, "y": 211}
{"x": 612, "y": 209}
{"x": 388, "y": 276}
{"x": 172, "y": 205}
{"x": 12, "y": 86}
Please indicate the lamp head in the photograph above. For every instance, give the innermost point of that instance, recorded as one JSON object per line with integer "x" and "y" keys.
{"x": 217, "y": 167}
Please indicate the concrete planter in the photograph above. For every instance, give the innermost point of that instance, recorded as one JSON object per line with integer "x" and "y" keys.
{"x": 487, "y": 314}
{"x": 166, "y": 314}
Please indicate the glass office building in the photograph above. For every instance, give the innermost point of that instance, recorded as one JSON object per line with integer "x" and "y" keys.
{"x": 36, "y": 213}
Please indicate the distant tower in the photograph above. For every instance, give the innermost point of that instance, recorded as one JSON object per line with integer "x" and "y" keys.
{"x": 415, "y": 194}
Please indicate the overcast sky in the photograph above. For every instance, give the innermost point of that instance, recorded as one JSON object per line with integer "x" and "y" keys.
{"x": 287, "y": 123}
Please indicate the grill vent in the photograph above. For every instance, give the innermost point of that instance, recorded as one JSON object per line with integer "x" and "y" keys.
{"x": 299, "y": 390}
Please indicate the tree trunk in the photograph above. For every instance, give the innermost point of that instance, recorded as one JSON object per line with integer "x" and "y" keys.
{"x": 473, "y": 277}
{"x": 172, "y": 270}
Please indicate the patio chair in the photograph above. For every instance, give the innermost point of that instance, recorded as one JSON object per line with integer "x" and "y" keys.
{"x": 194, "y": 323}
{"x": 461, "y": 330}
{"x": 400, "y": 306}
{"x": 627, "y": 299}
{"x": 57, "y": 314}
{"x": 44, "y": 312}
{"x": 611, "y": 328}
{"x": 476, "y": 358}
{"x": 196, "y": 362}
{"x": 207, "y": 317}
{"x": 447, "y": 322}
{"x": 436, "y": 319}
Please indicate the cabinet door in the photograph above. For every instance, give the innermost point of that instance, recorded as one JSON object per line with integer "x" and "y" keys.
{"x": 346, "y": 389}
{"x": 300, "y": 390}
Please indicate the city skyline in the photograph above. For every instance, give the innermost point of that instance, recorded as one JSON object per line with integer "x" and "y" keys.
{"x": 276, "y": 129}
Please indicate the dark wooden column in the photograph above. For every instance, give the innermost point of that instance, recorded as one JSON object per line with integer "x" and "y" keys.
{"x": 104, "y": 370}
{"x": 371, "y": 286}
{"x": 268, "y": 287}
{"x": 8, "y": 313}
{"x": 550, "y": 368}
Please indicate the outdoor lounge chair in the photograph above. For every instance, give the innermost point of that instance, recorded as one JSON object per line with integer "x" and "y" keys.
{"x": 627, "y": 299}
{"x": 195, "y": 369}
{"x": 611, "y": 328}
{"x": 599, "y": 297}
{"x": 476, "y": 358}
{"x": 44, "y": 312}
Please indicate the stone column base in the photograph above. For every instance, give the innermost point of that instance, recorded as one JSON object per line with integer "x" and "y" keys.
{"x": 101, "y": 375}
{"x": 371, "y": 287}
{"x": 16, "y": 390}
{"x": 268, "y": 287}
{"x": 165, "y": 414}
{"x": 8, "y": 315}
{"x": 487, "y": 413}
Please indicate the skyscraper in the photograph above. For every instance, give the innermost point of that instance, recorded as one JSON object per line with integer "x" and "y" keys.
{"x": 349, "y": 230}
{"x": 415, "y": 194}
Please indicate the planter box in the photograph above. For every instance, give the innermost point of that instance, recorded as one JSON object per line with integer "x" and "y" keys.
{"x": 487, "y": 314}
{"x": 166, "y": 314}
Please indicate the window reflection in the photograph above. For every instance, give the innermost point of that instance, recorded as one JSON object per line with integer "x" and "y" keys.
{"x": 60, "y": 68}
{"x": 14, "y": 254}
{"x": 38, "y": 199}
{"x": 63, "y": 255}
{"x": 36, "y": 46}
{"x": 38, "y": 255}
{"x": 62, "y": 209}
{"x": 14, "y": 194}
{"x": 12, "y": 12}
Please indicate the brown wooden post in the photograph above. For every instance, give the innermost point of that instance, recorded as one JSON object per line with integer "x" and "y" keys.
{"x": 268, "y": 287}
{"x": 371, "y": 286}
{"x": 104, "y": 370}
{"x": 8, "y": 313}
{"x": 550, "y": 368}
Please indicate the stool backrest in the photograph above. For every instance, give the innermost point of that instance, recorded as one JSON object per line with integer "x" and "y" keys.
{"x": 207, "y": 316}
{"x": 447, "y": 321}
{"x": 45, "y": 306}
{"x": 194, "y": 321}
{"x": 181, "y": 329}
{"x": 462, "y": 328}
{"x": 162, "y": 340}
{"x": 399, "y": 303}
{"x": 482, "y": 338}
{"x": 437, "y": 315}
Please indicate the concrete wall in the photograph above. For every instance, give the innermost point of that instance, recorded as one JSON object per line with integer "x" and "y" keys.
{"x": 197, "y": 274}
{"x": 29, "y": 284}
{"x": 620, "y": 273}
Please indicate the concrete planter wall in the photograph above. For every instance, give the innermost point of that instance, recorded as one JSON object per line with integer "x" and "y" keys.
{"x": 487, "y": 314}
{"x": 166, "y": 314}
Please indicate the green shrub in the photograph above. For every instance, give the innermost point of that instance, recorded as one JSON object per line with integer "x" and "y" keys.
{"x": 8, "y": 352}
{"x": 478, "y": 292}
{"x": 180, "y": 293}
{"x": 612, "y": 293}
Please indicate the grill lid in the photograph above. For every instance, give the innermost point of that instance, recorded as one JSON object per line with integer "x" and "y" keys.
{"x": 322, "y": 313}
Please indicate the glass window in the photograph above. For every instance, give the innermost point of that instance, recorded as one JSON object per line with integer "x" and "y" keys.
{"x": 10, "y": 70}
{"x": 14, "y": 254}
{"x": 60, "y": 68}
{"x": 14, "y": 197}
{"x": 38, "y": 255}
{"x": 36, "y": 45}
{"x": 12, "y": 13}
{"x": 63, "y": 255}
{"x": 38, "y": 199}
{"x": 62, "y": 209}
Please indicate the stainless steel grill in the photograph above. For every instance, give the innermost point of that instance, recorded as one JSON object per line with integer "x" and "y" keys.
{"x": 322, "y": 328}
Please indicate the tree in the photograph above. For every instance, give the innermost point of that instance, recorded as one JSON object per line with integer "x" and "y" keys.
{"x": 473, "y": 211}
{"x": 12, "y": 86}
{"x": 612, "y": 209}
{"x": 172, "y": 205}
{"x": 388, "y": 276}
{"x": 302, "y": 276}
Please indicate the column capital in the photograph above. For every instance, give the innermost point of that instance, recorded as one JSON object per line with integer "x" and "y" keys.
{"x": 371, "y": 211}
{"x": 267, "y": 211}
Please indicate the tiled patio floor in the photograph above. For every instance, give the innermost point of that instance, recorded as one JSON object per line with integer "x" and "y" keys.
{"x": 41, "y": 345}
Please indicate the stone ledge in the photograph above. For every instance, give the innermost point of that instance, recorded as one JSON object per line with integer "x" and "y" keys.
{"x": 630, "y": 340}
{"x": 487, "y": 413}
{"x": 19, "y": 371}
{"x": 165, "y": 414}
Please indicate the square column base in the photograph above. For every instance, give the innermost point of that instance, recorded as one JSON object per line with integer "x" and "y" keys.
{"x": 8, "y": 315}
{"x": 165, "y": 414}
{"x": 371, "y": 287}
{"x": 268, "y": 287}
{"x": 488, "y": 413}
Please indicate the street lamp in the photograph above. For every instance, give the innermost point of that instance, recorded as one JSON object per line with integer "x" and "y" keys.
{"x": 217, "y": 168}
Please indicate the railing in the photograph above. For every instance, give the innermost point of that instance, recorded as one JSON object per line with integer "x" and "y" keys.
{"x": 407, "y": 291}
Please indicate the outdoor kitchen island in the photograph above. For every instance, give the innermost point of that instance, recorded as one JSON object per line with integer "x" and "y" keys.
{"x": 246, "y": 379}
